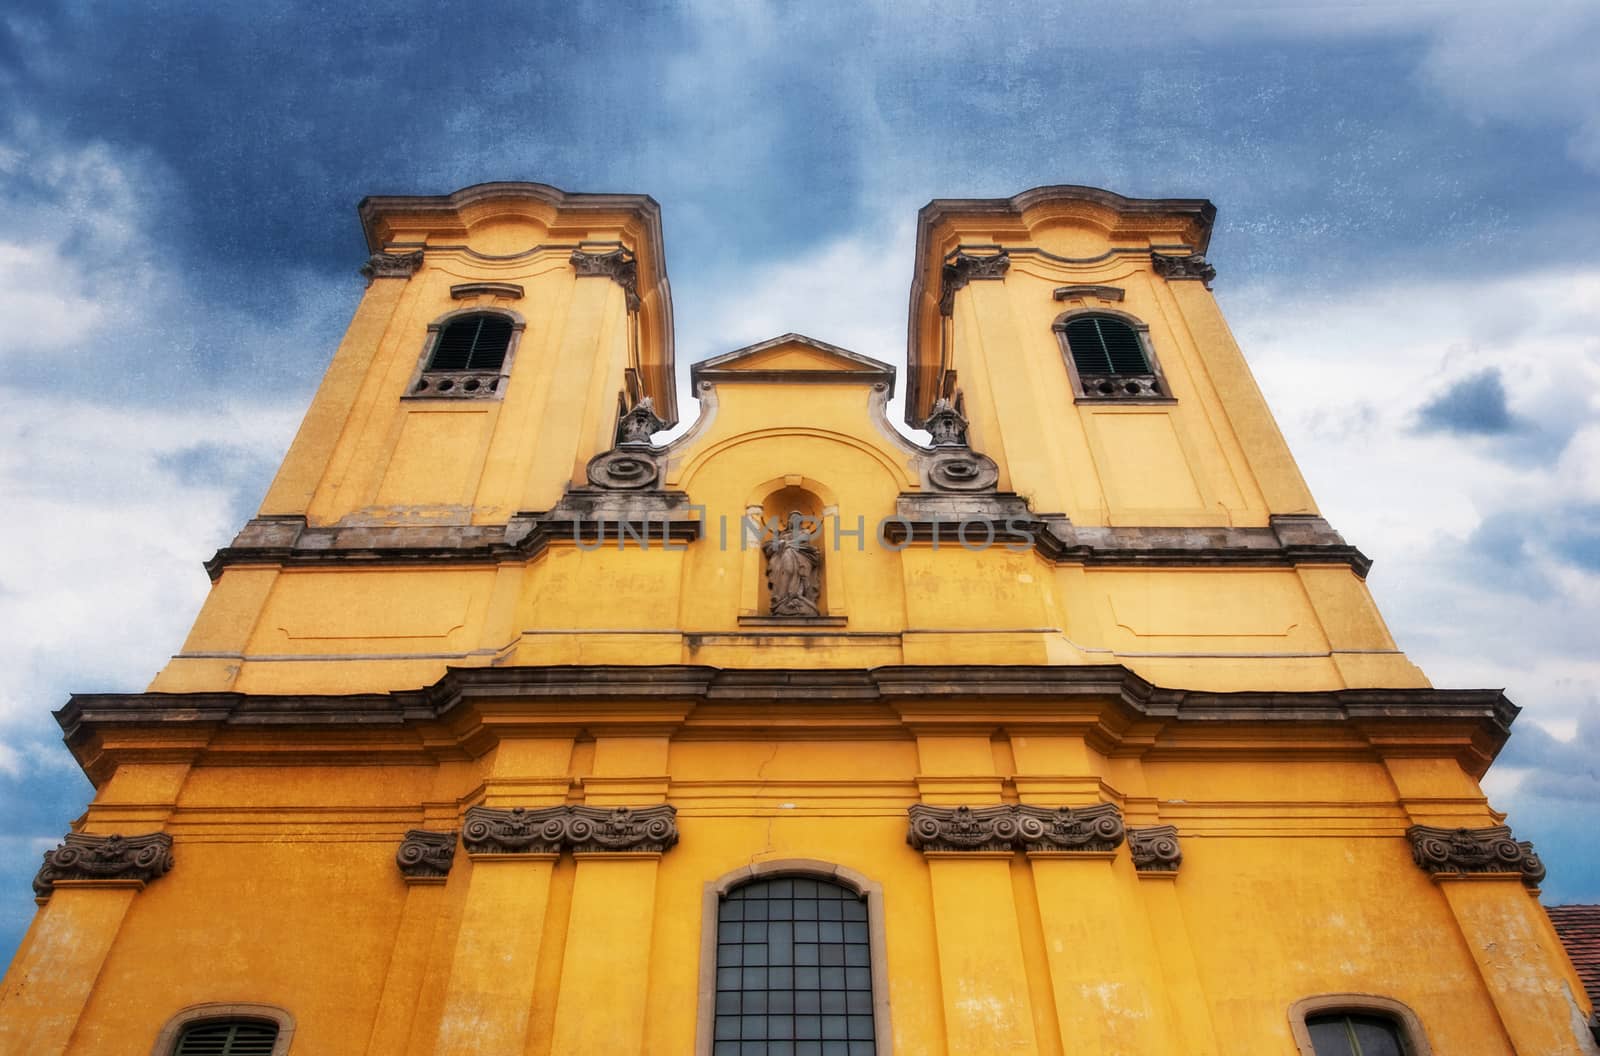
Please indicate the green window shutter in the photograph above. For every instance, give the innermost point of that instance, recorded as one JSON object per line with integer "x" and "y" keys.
{"x": 1103, "y": 345}
{"x": 475, "y": 342}
{"x": 228, "y": 1038}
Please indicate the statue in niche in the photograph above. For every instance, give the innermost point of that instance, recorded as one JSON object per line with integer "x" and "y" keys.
{"x": 794, "y": 569}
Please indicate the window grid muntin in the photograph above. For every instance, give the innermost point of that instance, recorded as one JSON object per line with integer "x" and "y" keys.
{"x": 1355, "y": 1034}
{"x": 793, "y": 971}
{"x": 227, "y": 1038}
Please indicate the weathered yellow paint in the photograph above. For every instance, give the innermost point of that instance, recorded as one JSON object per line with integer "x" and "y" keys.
{"x": 1296, "y": 878}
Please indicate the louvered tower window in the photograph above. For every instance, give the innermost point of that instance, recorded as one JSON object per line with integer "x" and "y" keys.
{"x": 1355, "y": 1034}
{"x": 1103, "y": 345}
{"x": 228, "y": 1038}
{"x": 473, "y": 342}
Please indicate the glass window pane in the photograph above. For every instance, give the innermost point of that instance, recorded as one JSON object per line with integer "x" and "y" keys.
{"x": 1329, "y": 1036}
{"x": 1377, "y": 1037}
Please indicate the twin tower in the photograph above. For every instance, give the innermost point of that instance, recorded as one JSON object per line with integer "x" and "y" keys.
{"x": 510, "y": 728}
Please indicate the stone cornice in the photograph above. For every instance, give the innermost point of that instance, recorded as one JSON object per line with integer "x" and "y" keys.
{"x": 1106, "y": 702}
{"x": 132, "y": 859}
{"x": 921, "y": 517}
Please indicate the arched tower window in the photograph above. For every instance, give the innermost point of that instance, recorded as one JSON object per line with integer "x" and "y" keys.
{"x": 1109, "y": 357}
{"x": 1356, "y": 1025}
{"x": 797, "y": 962}
{"x": 468, "y": 355}
{"x": 227, "y": 1029}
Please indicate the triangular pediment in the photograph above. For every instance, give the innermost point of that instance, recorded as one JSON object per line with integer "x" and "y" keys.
{"x": 792, "y": 358}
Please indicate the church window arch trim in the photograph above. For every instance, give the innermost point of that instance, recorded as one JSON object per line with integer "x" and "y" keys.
{"x": 468, "y": 355}
{"x": 222, "y": 1012}
{"x": 1109, "y": 357}
{"x": 1405, "y": 1023}
{"x": 868, "y": 891}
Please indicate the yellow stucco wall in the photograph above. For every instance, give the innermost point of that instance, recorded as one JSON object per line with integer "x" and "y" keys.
{"x": 1297, "y": 879}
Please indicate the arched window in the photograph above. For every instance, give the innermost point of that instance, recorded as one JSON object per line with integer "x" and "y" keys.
{"x": 796, "y": 959}
{"x": 468, "y": 355}
{"x": 472, "y": 342}
{"x": 221, "y": 1029}
{"x": 1109, "y": 357}
{"x": 1356, "y": 1025}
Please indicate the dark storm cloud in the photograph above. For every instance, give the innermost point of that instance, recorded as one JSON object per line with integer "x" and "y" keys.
{"x": 1474, "y": 405}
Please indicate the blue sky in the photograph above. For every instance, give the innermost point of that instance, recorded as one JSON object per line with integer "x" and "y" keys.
{"x": 1408, "y": 203}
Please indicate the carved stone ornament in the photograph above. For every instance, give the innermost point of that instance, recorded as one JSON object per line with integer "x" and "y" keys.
{"x": 1178, "y": 268}
{"x": 961, "y": 469}
{"x": 425, "y": 855}
{"x": 962, "y": 828}
{"x": 964, "y": 268}
{"x": 794, "y": 570}
{"x": 624, "y": 469}
{"x": 83, "y": 857}
{"x": 1488, "y": 850}
{"x": 644, "y": 830}
{"x": 519, "y": 830}
{"x": 946, "y": 425}
{"x": 1096, "y": 828}
{"x": 636, "y": 427}
{"x": 1155, "y": 849}
{"x": 392, "y": 265}
{"x": 618, "y": 265}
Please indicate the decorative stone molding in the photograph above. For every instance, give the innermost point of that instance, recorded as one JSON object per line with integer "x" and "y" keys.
{"x": 83, "y": 857}
{"x": 635, "y": 428}
{"x": 1193, "y": 267}
{"x": 392, "y": 265}
{"x": 511, "y": 291}
{"x": 643, "y": 830}
{"x": 489, "y": 830}
{"x": 1155, "y": 849}
{"x": 631, "y": 468}
{"x": 1104, "y": 293}
{"x": 1454, "y": 852}
{"x": 1121, "y": 386}
{"x": 1095, "y": 828}
{"x": 963, "y": 268}
{"x": 962, "y": 470}
{"x": 619, "y": 265}
{"x": 426, "y": 856}
{"x": 962, "y": 828}
{"x": 946, "y": 425}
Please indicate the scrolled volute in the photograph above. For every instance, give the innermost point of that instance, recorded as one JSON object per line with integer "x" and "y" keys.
{"x": 1155, "y": 849}
{"x": 1094, "y": 828}
{"x": 520, "y": 830}
{"x": 624, "y": 469}
{"x": 83, "y": 857}
{"x": 642, "y": 830}
{"x": 963, "y": 828}
{"x": 425, "y": 855}
{"x": 1445, "y": 852}
{"x": 392, "y": 265}
{"x": 961, "y": 469}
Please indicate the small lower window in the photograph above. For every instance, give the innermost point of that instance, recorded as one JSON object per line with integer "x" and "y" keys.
{"x": 227, "y": 1038}
{"x": 1355, "y": 1034}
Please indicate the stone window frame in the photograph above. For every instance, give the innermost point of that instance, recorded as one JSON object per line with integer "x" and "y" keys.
{"x": 815, "y": 869}
{"x": 457, "y": 378}
{"x": 1156, "y": 378}
{"x": 1412, "y": 1036}
{"x": 167, "y": 1041}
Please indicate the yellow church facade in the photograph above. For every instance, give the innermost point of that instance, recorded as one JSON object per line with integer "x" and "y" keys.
{"x": 509, "y": 728}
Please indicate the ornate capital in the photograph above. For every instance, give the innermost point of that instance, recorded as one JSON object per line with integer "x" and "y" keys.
{"x": 962, "y": 828}
{"x": 426, "y": 856}
{"x": 964, "y": 268}
{"x": 619, "y": 265}
{"x": 1096, "y": 828}
{"x": 515, "y": 831}
{"x": 1155, "y": 849}
{"x": 635, "y": 428}
{"x": 1488, "y": 850}
{"x": 644, "y": 830}
{"x": 1178, "y": 268}
{"x": 82, "y": 857}
{"x": 624, "y": 469}
{"x": 392, "y": 265}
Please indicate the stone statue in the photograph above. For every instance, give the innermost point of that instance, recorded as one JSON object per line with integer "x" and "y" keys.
{"x": 794, "y": 570}
{"x": 635, "y": 427}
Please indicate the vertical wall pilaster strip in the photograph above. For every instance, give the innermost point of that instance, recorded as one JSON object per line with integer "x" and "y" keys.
{"x": 607, "y": 952}
{"x": 981, "y": 970}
